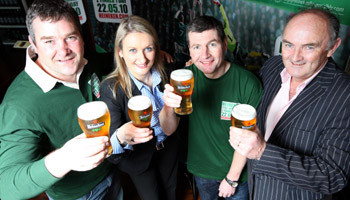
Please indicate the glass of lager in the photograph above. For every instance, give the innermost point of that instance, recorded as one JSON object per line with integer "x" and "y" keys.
{"x": 140, "y": 111}
{"x": 244, "y": 116}
{"x": 94, "y": 119}
{"x": 182, "y": 81}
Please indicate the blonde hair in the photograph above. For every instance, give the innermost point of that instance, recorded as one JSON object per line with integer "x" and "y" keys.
{"x": 128, "y": 25}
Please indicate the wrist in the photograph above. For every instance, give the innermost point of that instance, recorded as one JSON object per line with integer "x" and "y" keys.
{"x": 169, "y": 110}
{"x": 232, "y": 183}
{"x": 261, "y": 150}
{"x": 234, "y": 176}
{"x": 53, "y": 163}
{"x": 122, "y": 143}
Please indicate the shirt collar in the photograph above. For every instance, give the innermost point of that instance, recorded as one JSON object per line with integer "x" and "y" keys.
{"x": 45, "y": 81}
{"x": 286, "y": 77}
{"x": 156, "y": 79}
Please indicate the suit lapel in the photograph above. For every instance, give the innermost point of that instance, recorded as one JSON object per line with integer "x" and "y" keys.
{"x": 311, "y": 93}
{"x": 272, "y": 83}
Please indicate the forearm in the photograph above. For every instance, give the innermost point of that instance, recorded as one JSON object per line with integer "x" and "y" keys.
{"x": 23, "y": 174}
{"x": 25, "y": 181}
{"x": 237, "y": 166}
{"x": 168, "y": 120}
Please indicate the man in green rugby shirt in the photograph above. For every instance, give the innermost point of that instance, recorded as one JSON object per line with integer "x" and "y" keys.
{"x": 43, "y": 148}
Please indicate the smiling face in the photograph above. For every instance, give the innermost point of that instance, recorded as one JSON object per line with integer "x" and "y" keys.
{"x": 207, "y": 52}
{"x": 60, "y": 48}
{"x": 138, "y": 53}
{"x": 304, "y": 48}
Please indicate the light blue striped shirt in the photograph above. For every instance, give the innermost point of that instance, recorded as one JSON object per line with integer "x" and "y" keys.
{"x": 156, "y": 97}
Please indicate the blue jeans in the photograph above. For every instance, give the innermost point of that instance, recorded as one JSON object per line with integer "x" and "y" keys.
{"x": 209, "y": 189}
{"x": 99, "y": 191}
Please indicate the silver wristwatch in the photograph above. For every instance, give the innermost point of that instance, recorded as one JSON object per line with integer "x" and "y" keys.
{"x": 233, "y": 184}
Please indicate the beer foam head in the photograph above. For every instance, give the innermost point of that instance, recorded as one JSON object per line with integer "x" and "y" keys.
{"x": 92, "y": 110}
{"x": 139, "y": 102}
{"x": 181, "y": 75}
{"x": 244, "y": 112}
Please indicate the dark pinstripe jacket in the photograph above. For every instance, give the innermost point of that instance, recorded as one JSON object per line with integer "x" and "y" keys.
{"x": 308, "y": 153}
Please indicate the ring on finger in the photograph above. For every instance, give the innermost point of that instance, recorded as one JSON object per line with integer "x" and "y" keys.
{"x": 132, "y": 139}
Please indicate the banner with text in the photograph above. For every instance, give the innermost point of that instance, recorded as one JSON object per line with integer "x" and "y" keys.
{"x": 341, "y": 8}
{"x": 79, "y": 8}
{"x": 112, "y": 11}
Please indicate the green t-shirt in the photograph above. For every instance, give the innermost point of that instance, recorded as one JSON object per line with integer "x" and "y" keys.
{"x": 209, "y": 151}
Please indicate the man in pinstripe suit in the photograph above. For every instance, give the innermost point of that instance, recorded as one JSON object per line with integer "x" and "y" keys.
{"x": 302, "y": 150}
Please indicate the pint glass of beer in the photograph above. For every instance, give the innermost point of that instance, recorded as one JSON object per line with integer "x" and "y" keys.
{"x": 94, "y": 119}
{"x": 182, "y": 81}
{"x": 244, "y": 116}
{"x": 140, "y": 111}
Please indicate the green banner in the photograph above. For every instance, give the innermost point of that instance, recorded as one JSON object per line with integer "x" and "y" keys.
{"x": 341, "y": 8}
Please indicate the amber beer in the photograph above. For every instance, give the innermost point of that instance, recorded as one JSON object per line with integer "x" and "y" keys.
{"x": 244, "y": 116}
{"x": 94, "y": 119}
{"x": 140, "y": 111}
{"x": 182, "y": 80}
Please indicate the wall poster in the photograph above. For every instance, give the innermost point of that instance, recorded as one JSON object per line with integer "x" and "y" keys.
{"x": 79, "y": 8}
{"x": 112, "y": 11}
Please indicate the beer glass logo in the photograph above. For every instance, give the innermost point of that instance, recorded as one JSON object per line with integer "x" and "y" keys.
{"x": 184, "y": 87}
{"x": 145, "y": 116}
{"x": 95, "y": 126}
{"x": 248, "y": 124}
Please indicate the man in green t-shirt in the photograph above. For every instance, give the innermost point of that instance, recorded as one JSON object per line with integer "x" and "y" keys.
{"x": 43, "y": 148}
{"x": 218, "y": 86}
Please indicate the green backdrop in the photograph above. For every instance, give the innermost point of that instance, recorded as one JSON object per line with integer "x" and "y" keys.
{"x": 255, "y": 25}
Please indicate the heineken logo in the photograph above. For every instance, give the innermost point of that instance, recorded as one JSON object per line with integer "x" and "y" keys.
{"x": 95, "y": 127}
{"x": 145, "y": 117}
{"x": 183, "y": 88}
{"x": 248, "y": 127}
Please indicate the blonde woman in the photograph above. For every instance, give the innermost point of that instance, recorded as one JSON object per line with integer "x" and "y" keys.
{"x": 147, "y": 155}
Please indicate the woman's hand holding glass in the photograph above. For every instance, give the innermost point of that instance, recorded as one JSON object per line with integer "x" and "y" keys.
{"x": 134, "y": 135}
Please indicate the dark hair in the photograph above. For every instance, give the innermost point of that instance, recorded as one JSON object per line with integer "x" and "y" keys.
{"x": 204, "y": 23}
{"x": 333, "y": 22}
{"x": 53, "y": 10}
